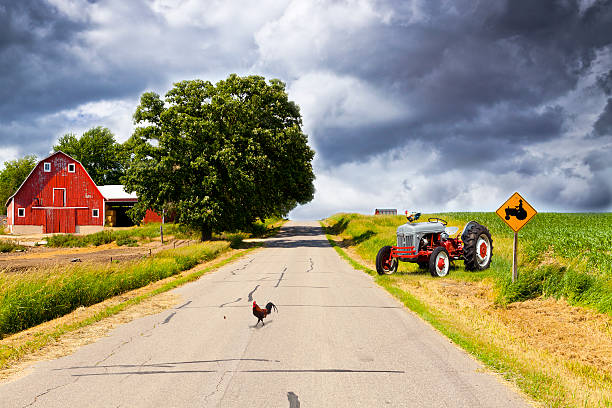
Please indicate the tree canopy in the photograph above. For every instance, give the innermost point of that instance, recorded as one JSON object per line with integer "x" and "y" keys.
{"x": 13, "y": 175}
{"x": 98, "y": 152}
{"x": 223, "y": 155}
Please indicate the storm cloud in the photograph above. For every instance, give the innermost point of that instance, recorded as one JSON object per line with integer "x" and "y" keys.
{"x": 424, "y": 104}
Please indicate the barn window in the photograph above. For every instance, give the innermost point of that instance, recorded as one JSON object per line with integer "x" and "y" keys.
{"x": 95, "y": 213}
{"x": 71, "y": 168}
{"x": 47, "y": 167}
{"x": 21, "y": 212}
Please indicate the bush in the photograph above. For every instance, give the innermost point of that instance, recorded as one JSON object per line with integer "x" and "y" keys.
{"x": 64, "y": 240}
{"x": 8, "y": 246}
{"x": 99, "y": 238}
{"x": 127, "y": 241}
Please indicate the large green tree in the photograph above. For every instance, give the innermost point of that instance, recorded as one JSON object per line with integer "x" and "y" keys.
{"x": 13, "y": 175}
{"x": 224, "y": 155}
{"x": 98, "y": 152}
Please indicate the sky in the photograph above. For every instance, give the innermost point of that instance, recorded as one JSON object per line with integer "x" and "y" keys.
{"x": 420, "y": 105}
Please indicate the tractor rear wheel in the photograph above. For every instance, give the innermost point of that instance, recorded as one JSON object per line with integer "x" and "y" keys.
{"x": 385, "y": 264}
{"x": 477, "y": 248}
{"x": 439, "y": 262}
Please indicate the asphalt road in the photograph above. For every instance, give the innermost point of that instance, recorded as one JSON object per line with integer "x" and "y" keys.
{"x": 338, "y": 340}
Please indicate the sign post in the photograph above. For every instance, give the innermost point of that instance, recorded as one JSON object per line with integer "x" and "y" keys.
{"x": 516, "y": 212}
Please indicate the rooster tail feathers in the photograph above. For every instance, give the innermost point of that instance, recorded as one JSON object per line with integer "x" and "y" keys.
{"x": 269, "y": 307}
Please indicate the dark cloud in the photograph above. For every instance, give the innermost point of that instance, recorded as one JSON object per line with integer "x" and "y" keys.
{"x": 471, "y": 73}
{"x": 34, "y": 38}
{"x": 470, "y": 143}
{"x": 598, "y": 160}
{"x": 591, "y": 195}
{"x": 605, "y": 82}
{"x": 47, "y": 65}
{"x": 603, "y": 126}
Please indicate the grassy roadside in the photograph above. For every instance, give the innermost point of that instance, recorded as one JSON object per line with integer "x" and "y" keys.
{"x": 12, "y": 350}
{"x": 481, "y": 326}
{"x": 28, "y": 299}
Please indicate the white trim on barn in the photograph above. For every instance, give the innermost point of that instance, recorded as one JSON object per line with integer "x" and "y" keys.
{"x": 63, "y": 208}
{"x": 59, "y": 188}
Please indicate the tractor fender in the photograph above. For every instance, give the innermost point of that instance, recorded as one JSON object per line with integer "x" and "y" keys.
{"x": 466, "y": 229}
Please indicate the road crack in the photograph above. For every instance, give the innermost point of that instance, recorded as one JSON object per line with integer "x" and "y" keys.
{"x": 233, "y": 272}
{"x": 229, "y": 303}
{"x": 281, "y": 277}
{"x": 251, "y": 293}
{"x": 48, "y": 391}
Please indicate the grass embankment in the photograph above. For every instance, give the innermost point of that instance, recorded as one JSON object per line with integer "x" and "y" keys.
{"x": 30, "y": 299}
{"x": 557, "y": 257}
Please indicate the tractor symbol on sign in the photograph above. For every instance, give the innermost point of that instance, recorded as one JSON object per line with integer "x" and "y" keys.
{"x": 518, "y": 212}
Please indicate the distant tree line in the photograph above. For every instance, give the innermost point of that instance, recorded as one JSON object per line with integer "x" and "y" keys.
{"x": 221, "y": 155}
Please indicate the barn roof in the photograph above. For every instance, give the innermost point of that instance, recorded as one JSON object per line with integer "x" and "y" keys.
{"x": 41, "y": 160}
{"x": 116, "y": 192}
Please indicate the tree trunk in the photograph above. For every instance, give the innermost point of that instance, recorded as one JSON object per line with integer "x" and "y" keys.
{"x": 206, "y": 233}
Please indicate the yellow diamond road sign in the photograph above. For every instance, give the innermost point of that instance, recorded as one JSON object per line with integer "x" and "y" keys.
{"x": 516, "y": 212}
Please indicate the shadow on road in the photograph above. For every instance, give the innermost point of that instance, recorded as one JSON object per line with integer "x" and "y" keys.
{"x": 288, "y": 237}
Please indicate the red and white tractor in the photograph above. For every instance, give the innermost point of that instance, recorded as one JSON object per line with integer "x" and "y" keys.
{"x": 433, "y": 245}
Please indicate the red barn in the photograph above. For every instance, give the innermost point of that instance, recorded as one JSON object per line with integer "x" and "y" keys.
{"x": 57, "y": 196}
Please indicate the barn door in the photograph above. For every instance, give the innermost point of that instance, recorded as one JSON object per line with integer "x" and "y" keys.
{"x": 70, "y": 221}
{"x": 59, "y": 195}
{"x": 49, "y": 221}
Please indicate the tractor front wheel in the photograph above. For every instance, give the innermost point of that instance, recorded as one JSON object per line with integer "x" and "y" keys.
{"x": 439, "y": 262}
{"x": 385, "y": 264}
{"x": 477, "y": 248}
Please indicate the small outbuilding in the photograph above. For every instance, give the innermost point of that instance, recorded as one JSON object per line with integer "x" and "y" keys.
{"x": 385, "y": 211}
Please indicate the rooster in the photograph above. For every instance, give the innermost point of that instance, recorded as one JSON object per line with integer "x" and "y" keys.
{"x": 260, "y": 313}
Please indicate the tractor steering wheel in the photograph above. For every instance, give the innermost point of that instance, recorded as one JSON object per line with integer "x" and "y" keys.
{"x": 436, "y": 219}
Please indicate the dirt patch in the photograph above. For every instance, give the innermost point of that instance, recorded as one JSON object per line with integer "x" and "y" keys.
{"x": 37, "y": 257}
{"x": 553, "y": 326}
{"x": 562, "y": 330}
{"x": 72, "y": 340}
